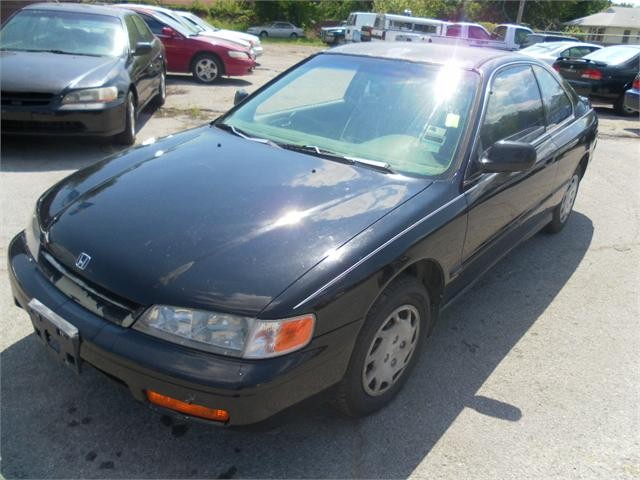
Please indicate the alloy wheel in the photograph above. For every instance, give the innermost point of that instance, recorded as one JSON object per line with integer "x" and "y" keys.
{"x": 569, "y": 199}
{"x": 207, "y": 70}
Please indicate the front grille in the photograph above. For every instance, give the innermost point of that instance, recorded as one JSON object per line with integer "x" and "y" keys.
{"x": 26, "y": 99}
{"x": 36, "y": 126}
{"x": 90, "y": 296}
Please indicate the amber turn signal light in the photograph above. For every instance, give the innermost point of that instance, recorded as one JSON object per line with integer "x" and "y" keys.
{"x": 188, "y": 408}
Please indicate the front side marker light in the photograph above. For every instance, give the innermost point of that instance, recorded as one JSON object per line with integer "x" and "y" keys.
{"x": 272, "y": 338}
{"x": 192, "y": 409}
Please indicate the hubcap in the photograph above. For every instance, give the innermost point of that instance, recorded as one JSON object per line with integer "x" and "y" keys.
{"x": 568, "y": 199}
{"x": 206, "y": 69}
{"x": 391, "y": 350}
{"x": 163, "y": 86}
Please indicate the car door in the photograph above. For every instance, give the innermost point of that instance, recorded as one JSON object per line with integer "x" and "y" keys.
{"x": 155, "y": 59}
{"x": 176, "y": 46}
{"x": 565, "y": 133}
{"x": 500, "y": 203}
{"x": 138, "y": 65}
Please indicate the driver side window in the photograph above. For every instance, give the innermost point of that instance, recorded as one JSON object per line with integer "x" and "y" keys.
{"x": 514, "y": 109}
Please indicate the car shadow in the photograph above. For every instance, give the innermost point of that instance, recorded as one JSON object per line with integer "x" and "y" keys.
{"x": 56, "y": 424}
{"x": 176, "y": 80}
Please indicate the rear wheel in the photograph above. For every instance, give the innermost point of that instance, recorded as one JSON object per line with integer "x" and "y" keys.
{"x": 620, "y": 108}
{"x": 562, "y": 212}
{"x": 387, "y": 348}
{"x": 206, "y": 68}
{"x": 128, "y": 136}
{"x": 264, "y": 34}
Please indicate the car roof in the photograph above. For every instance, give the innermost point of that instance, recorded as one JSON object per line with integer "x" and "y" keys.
{"x": 79, "y": 8}
{"x": 472, "y": 58}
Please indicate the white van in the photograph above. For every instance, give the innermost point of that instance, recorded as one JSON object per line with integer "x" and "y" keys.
{"x": 387, "y": 26}
{"x": 355, "y": 22}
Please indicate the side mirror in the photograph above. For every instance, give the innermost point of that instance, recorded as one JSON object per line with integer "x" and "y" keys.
{"x": 142, "y": 48}
{"x": 506, "y": 156}
{"x": 240, "y": 96}
{"x": 169, "y": 32}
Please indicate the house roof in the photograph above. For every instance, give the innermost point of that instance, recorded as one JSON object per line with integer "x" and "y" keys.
{"x": 625, "y": 17}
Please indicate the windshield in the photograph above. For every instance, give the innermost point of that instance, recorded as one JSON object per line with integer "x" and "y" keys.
{"x": 176, "y": 22}
{"x": 408, "y": 115}
{"x": 64, "y": 32}
{"x": 614, "y": 55}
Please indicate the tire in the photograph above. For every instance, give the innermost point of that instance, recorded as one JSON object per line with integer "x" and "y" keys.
{"x": 161, "y": 96}
{"x": 264, "y": 34}
{"x": 206, "y": 68}
{"x": 293, "y": 36}
{"x": 381, "y": 347}
{"x": 620, "y": 109}
{"x": 562, "y": 211}
{"x": 128, "y": 136}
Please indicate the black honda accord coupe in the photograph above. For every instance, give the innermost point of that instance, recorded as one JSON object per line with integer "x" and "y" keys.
{"x": 307, "y": 238}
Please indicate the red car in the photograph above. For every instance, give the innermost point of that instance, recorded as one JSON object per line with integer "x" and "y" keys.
{"x": 206, "y": 58}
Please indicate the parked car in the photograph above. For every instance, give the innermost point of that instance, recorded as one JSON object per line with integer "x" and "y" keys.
{"x": 73, "y": 69}
{"x": 254, "y": 41}
{"x": 551, "y": 51}
{"x": 603, "y": 75}
{"x": 333, "y": 35}
{"x": 536, "y": 38}
{"x": 632, "y": 96}
{"x": 205, "y": 57}
{"x": 193, "y": 29}
{"x": 367, "y": 225}
{"x": 277, "y": 29}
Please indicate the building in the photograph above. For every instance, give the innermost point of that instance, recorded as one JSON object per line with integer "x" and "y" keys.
{"x": 613, "y": 26}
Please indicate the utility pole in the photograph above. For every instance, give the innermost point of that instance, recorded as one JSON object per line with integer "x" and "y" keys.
{"x": 520, "y": 11}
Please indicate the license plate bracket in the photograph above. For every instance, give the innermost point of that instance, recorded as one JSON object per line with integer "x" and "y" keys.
{"x": 61, "y": 338}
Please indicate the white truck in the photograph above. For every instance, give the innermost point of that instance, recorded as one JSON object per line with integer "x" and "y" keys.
{"x": 388, "y": 26}
{"x": 355, "y": 22}
{"x": 503, "y": 37}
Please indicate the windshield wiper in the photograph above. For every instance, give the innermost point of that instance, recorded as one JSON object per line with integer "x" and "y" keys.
{"x": 239, "y": 133}
{"x": 329, "y": 155}
{"x": 59, "y": 52}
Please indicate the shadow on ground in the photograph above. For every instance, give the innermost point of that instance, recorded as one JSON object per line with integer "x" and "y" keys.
{"x": 58, "y": 425}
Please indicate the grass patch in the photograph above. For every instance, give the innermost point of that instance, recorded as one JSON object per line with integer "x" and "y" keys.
{"x": 310, "y": 42}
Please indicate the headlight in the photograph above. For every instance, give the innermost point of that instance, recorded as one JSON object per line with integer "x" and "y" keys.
{"x": 32, "y": 234}
{"x": 226, "y": 334}
{"x": 238, "y": 54}
{"x": 91, "y": 95}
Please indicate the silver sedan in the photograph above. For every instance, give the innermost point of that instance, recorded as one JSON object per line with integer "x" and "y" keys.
{"x": 549, "y": 52}
{"x": 277, "y": 29}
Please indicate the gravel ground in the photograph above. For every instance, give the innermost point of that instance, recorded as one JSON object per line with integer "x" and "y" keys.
{"x": 534, "y": 374}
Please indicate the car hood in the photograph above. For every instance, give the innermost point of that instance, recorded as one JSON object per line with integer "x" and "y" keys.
{"x": 247, "y": 37}
{"x": 227, "y": 38}
{"x": 208, "y": 220}
{"x": 210, "y": 39}
{"x": 53, "y": 72}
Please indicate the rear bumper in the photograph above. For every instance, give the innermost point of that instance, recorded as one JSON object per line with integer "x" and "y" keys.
{"x": 594, "y": 89}
{"x": 250, "y": 391}
{"x": 632, "y": 100}
{"x": 105, "y": 122}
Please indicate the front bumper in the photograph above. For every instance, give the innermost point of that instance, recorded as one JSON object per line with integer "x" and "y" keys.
{"x": 236, "y": 67}
{"x": 250, "y": 390}
{"x": 632, "y": 100}
{"x": 47, "y": 120}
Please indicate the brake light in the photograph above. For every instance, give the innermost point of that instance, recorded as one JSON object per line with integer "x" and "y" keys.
{"x": 556, "y": 67}
{"x": 636, "y": 83}
{"x": 591, "y": 74}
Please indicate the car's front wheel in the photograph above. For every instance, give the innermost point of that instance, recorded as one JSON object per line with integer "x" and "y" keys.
{"x": 562, "y": 211}
{"x": 264, "y": 34}
{"x": 206, "y": 68}
{"x": 161, "y": 96}
{"x": 386, "y": 349}
{"x": 293, "y": 36}
{"x": 128, "y": 135}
